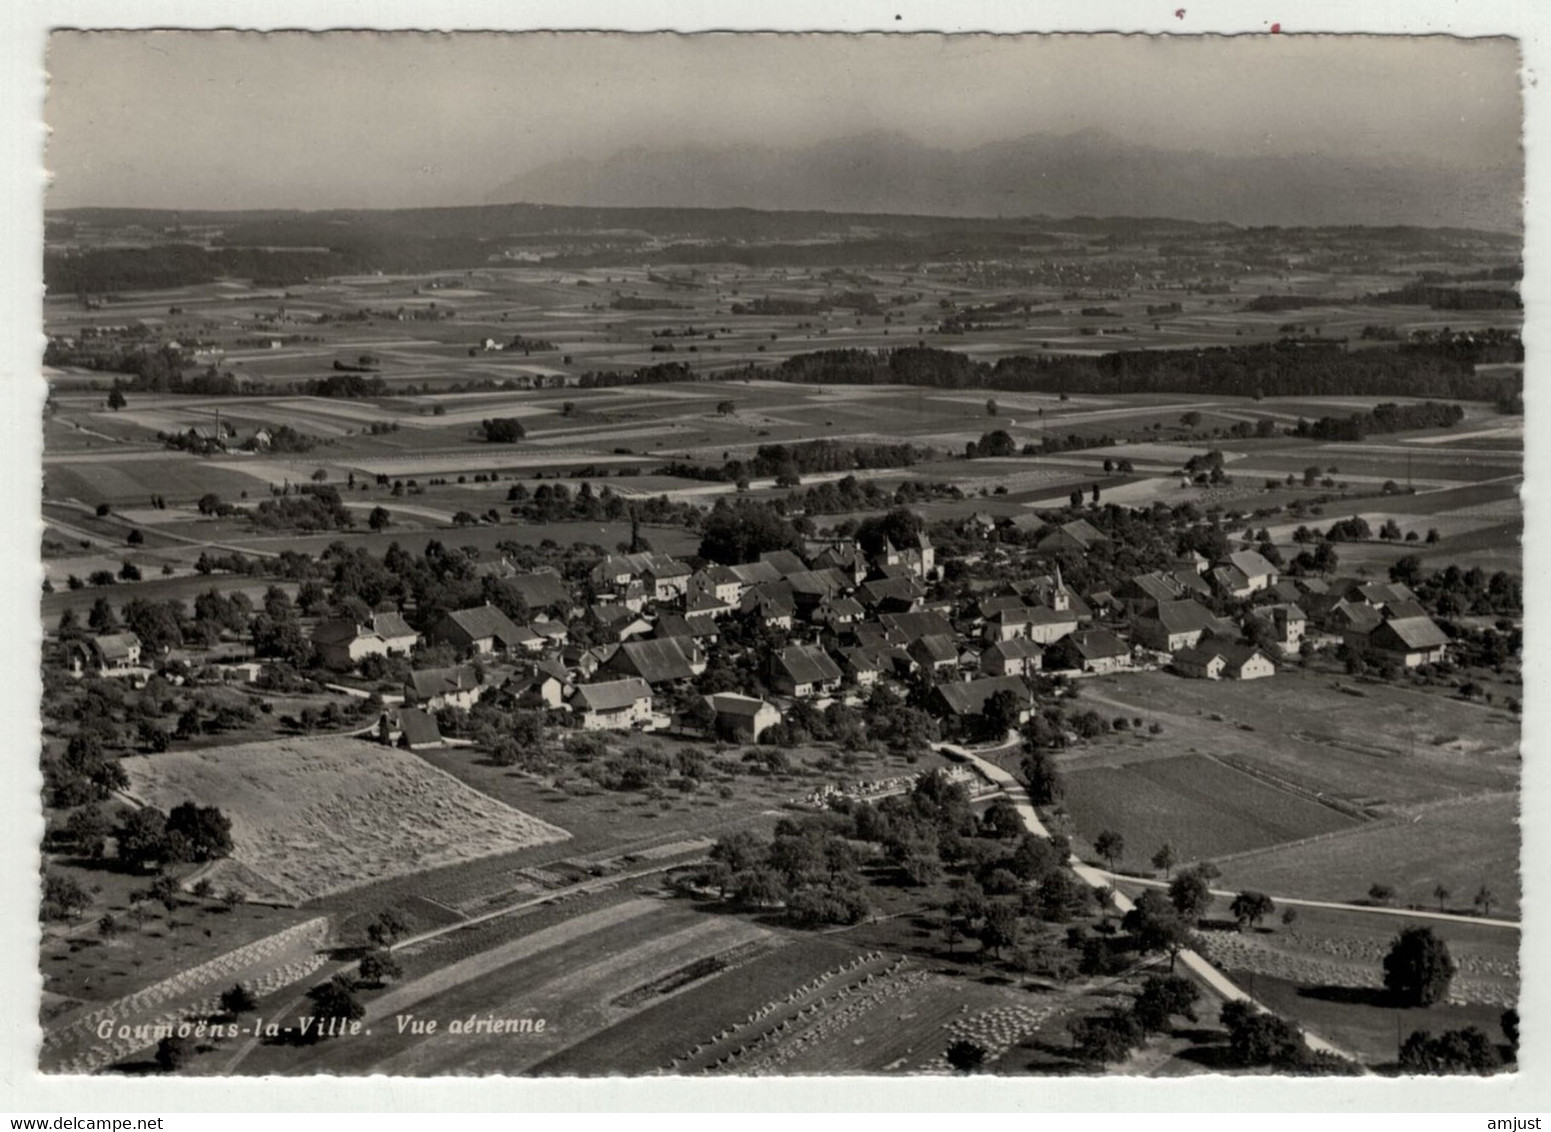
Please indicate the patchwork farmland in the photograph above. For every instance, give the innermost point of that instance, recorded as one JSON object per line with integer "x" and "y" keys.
{"x": 643, "y": 651}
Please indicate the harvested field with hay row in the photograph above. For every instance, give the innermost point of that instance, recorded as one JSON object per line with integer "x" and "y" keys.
{"x": 316, "y": 816}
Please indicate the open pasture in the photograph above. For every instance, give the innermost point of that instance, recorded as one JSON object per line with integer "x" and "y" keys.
{"x": 132, "y": 478}
{"x": 1352, "y": 463}
{"x": 1459, "y": 845}
{"x": 1200, "y": 807}
{"x": 1391, "y": 747}
{"x": 66, "y": 431}
{"x": 316, "y": 816}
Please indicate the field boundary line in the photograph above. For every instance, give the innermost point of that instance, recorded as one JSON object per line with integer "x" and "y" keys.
{"x": 1389, "y": 821}
{"x": 1287, "y": 786}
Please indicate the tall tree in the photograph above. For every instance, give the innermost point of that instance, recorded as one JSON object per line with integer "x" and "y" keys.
{"x": 1000, "y": 927}
{"x": 1043, "y": 777}
{"x": 1249, "y": 908}
{"x": 1111, "y": 846}
{"x": 1418, "y": 969}
{"x": 1190, "y": 895}
{"x": 1157, "y": 925}
{"x": 1161, "y": 997}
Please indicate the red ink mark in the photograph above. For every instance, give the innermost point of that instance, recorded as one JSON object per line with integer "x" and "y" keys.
{"x": 1179, "y": 13}
{"x": 1276, "y": 29}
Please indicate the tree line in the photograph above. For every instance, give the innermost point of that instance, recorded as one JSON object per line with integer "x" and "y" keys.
{"x": 1385, "y": 418}
{"x": 1441, "y": 365}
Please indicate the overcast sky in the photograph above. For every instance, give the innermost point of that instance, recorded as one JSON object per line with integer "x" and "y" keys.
{"x": 233, "y": 120}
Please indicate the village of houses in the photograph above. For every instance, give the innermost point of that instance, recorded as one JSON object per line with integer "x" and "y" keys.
{"x": 844, "y": 623}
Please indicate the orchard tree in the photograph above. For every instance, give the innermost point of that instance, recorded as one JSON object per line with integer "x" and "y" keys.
{"x": 63, "y": 897}
{"x": 335, "y": 999}
{"x": 88, "y": 829}
{"x": 142, "y": 838}
{"x": 198, "y": 833}
{"x": 379, "y": 966}
{"x": 999, "y": 928}
{"x": 1162, "y": 997}
{"x": 1259, "y": 1038}
{"x": 1157, "y": 925}
{"x": 1190, "y": 895}
{"x": 389, "y": 926}
{"x": 164, "y": 890}
{"x": 1107, "y": 1037}
{"x": 1062, "y": 896}
{"x": 1002, "y": 821}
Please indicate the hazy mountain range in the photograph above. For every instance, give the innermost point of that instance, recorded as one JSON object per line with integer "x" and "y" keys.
{"x": 1089, "y": 173}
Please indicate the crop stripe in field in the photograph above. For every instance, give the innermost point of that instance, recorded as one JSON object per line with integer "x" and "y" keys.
{"x": 462, "y": 971}
{"x": 1314, "y": 838}
{"x": 701, "y": 970}
{"x": 802, "y": 994}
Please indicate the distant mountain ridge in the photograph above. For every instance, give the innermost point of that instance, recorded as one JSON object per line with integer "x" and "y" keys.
{"x": 1088, "y": 173}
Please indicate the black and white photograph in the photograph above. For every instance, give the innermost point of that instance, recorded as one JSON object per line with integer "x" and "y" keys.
{"x": 743, "y": 555}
